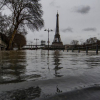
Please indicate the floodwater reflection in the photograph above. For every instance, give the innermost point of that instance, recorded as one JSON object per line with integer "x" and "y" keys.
{"x": 57, "y": 63}
{"x": 55, "y": 73}
{"x": 93, "y": 62}
{"x": 12, "y": 66}
{"x": 17, "y": 66}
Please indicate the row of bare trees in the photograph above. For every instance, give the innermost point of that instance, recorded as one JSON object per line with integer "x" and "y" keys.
{"x": 23, "y": 14}
{"x": 89, "y": 41}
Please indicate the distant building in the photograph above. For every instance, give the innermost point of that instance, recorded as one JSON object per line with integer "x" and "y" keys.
{"x": 67, "y": 46}
{"x": 43, "y": 43}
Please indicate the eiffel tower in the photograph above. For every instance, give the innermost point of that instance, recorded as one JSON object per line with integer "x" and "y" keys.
{"x": 57, "y": 43}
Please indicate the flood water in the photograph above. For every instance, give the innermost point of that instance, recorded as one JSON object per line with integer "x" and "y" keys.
{"x": 53, "y": 75}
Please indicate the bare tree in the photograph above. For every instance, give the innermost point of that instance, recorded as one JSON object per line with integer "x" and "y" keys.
{"x": 4, "y": 23}
{"x": 2, "y": 3}
{"x": 24, "y": 13}
{"x": 91, "y": 40}
{"x": 74, "y": 42}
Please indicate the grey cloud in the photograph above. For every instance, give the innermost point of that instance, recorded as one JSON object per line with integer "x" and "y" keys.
{"x": 82, "y": 9}
{"x": 58, "y": 7}
{"x": 53, "y": 3}
{"x": 89, "y": 29}
{"x": 69, "y": 29}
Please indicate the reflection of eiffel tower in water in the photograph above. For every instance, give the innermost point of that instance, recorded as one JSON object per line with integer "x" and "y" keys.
{"x": 57, "y": 43}
{"x": 57, "y": 63}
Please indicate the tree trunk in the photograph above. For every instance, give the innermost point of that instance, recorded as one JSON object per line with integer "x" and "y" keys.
{"x": 11, "y": 40}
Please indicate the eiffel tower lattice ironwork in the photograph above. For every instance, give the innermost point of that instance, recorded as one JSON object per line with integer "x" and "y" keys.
{"x": 57, "y": 40}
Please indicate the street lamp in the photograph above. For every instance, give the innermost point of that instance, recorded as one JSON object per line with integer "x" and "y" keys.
{"x": 36, "y": 42}
{"x": 48, "y": 36}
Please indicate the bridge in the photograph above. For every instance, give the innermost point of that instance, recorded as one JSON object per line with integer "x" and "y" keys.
{"x": 2, "y": 44}
{"x": 34, "y": 46}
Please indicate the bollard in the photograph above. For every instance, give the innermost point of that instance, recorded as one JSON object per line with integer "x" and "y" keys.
{"x": 86, "y": 50}
{"x": 72, "y": 50}
{"x": 78, "y": 50}
{"x": 97, "y": 49}
{"x": 67, "y": 50}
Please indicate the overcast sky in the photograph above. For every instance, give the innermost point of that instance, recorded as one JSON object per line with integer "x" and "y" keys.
{"x": 78, "y": 20}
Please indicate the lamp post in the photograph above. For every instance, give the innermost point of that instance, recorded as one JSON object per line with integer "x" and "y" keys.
{"x": 48, "y": 36}
{"x": 36, "y": 42}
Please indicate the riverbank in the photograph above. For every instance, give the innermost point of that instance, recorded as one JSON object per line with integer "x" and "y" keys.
{"x": 73, "y": 88}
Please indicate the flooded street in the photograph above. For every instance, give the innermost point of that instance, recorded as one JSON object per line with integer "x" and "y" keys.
{"x": 53, "y": 75}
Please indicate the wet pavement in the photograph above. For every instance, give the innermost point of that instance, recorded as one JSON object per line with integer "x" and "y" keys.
{"x": 57, "y": 75}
